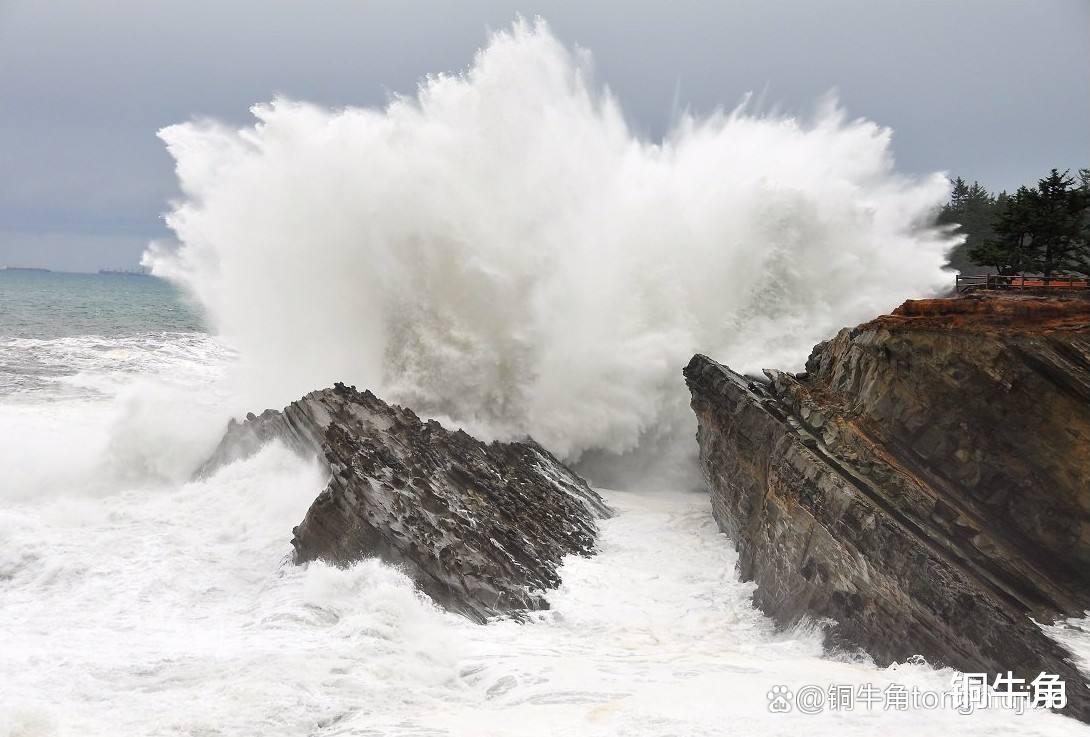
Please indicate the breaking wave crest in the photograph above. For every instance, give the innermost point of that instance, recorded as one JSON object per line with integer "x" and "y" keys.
{"x": 502, "y": 251}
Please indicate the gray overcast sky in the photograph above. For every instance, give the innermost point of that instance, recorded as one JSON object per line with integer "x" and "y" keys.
{"x": 997, "y": 90}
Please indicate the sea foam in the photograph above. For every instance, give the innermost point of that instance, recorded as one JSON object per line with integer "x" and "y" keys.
{"x": 502, "y": 251}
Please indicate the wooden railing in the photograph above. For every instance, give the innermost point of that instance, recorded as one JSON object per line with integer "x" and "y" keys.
{"x": 965, "y": 283}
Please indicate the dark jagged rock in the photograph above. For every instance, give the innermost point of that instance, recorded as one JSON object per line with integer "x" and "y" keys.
{"x": 925, "y": 484}
{"x": 481, "y": 528}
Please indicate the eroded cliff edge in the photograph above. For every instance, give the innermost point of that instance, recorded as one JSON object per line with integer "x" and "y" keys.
{"x": 482, "y": 528}
{"x": 925, "y": 484}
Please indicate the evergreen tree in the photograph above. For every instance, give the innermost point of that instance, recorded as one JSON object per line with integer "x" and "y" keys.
{"x": 1045, "y": 230}
{"x": 973, "y": 209}
{"x": 1008, "y": 250}
{"x": 959, "y": 192}
{"x": 1059, "y": 221}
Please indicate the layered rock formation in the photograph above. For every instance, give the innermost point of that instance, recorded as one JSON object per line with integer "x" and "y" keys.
{"x": 482, "y": 528}
{"x": 925, "y": 483}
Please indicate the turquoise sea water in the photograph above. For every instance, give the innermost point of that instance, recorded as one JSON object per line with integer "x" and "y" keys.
{"x": 46, "y": 305}
{"x": 60, "y": 334}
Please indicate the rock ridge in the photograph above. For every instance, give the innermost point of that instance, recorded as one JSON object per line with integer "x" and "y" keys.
{"x": 925, "y": 483}
{"x": 482, "y": 528}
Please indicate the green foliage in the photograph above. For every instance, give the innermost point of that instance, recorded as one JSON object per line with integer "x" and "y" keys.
{"x": 1006, "y": 248}
{"x": 1037, "y": 230}
{"x": 974, "y": 210}
{"x": 1045, "y": 230}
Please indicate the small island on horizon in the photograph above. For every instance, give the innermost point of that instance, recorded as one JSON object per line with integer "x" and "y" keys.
{"x": 137, "y": 271}
{"x": 112, "y": 271}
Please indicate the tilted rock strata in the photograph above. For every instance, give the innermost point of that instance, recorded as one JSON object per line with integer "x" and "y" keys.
{"x": 925, "y": 484}
{"x": 482, "y": 528}
{"x": 989, "y": 398}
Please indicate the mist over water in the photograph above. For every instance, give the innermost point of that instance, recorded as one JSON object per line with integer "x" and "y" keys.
{"x": 502, "y": 251}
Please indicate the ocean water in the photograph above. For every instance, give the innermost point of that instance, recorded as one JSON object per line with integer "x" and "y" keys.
{"x": 56, "y": 327}
{"x": 499, "y": 251}
{"x": 136, "y": 601}
{"x": 46, "y": 305}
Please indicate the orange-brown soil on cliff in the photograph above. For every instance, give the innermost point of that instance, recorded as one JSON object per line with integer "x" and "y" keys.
{"x": 990, "y": 312}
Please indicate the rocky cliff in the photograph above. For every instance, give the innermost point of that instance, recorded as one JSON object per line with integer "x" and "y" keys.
{"x": 482, "y": 528}
{"x": 925, "y": 484}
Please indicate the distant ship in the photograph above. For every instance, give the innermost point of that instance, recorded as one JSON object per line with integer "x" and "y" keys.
{"x": 26, "y": 268}
{"x": 138, "y": 271}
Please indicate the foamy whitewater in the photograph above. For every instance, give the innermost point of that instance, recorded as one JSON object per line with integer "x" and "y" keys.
{"x": 500, "y": 251}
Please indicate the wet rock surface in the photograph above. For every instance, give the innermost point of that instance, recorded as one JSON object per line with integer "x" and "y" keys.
{"x": 925, "y": 484}
{"x": 481, "y": 527}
